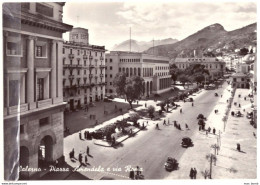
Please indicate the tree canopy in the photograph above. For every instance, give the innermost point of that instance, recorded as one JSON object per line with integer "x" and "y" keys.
{"x": 131, "y": 88}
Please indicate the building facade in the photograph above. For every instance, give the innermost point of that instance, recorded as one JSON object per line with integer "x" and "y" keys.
{"x": 216, "y": 67}
{"x": 33, "y": 99}
{"x": 83, "y": 70}
{"x": 153, "y": 69}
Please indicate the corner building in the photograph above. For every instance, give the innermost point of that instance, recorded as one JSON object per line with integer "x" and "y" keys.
{"x": 153, "y": 69}
{"x": 33, "y": 100}
{"x": 83, "y": 70}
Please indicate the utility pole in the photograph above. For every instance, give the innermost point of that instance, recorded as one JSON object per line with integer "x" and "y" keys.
{"x": 130, "y": 39}
{"x": 210, "y": 167}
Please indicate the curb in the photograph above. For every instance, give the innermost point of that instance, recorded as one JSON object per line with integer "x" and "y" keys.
{"x": 118, "y": 142}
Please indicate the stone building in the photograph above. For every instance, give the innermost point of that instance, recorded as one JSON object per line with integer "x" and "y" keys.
{"x": 153, "y": 69}
{"x": 33, "y": 100}
{"x": 216, "y": 67}
{"x": 83, "y": 70}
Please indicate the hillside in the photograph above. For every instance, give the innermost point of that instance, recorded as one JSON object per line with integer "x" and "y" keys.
{"x": 213, "y": 38}
{"x": 140, "y": 46}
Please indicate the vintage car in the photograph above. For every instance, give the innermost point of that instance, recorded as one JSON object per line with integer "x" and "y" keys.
{"x": 171, "y": 164}
{"x": 186, "y": 142}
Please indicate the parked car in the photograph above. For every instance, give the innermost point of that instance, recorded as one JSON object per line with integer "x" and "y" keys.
{"x": 189, "y": 99}
{"x": 171, "y": 164}
{"x": 186, "y": 142}
{"x": 106, "y": 99}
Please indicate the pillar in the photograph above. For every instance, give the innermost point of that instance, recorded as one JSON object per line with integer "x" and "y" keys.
{"x": 53, "y": 69}
{"x": 59, "y": 71}
{"x": 30, "y": 72}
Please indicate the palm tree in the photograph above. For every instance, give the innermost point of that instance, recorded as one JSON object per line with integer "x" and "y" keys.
{"x": 211, "y": 158}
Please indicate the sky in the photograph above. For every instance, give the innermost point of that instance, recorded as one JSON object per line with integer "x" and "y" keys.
{"x": 109, "y": 23}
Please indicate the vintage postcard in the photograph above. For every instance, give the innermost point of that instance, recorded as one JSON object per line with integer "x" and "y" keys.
{"x": 122, "y": 90}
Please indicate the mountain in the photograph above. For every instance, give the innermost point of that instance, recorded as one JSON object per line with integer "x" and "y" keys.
{"x": 140, "y": 46}
{"x": 213, "y": 38}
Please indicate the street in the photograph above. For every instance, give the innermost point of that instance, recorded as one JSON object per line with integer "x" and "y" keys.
{"x": 148, "y": 149}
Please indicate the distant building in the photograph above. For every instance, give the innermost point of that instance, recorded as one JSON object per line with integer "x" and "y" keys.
{"x": 83, "y": 70}
{"x": 240, "y": 80}
{"x": 33, "y": 100}
{"x": 216, "y": 67}
{"x": 153, "y": 69}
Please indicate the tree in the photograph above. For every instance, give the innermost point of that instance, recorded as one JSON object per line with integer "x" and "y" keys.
{"x": 183, "y": 78}
{"x": 131, "y": 88}
{"x": 243, "y": 51}
{"x": 134, "y": 117}
{"x": 174, "y": 71}
{"x": 151, "y": 111}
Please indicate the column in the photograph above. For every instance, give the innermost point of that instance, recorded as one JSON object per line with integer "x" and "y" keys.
{"x": 22, "y": 88}
{"x": 59, "y": 71}
{"x": 46, "y": 86}
{"x": 30, "y": 72}
{"x": 53, "y": 69}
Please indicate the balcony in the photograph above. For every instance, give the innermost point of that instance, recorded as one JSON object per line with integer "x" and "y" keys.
{"x": 71, "y": 76}
{"x": 92, "y": 84}
{"x": 102, "y": 66}
{"x": 90, "y": 57}
{"x": 85, "y": 57}
{"x": 66, "y": 65}
{"x": 79, "y": 66}
{"x": 72, "y": 66}
{"x": 101, "y": 58}
{"x": 71, "y": 56}
{"x": 96, "y": 76}
{"x": 90, "y": 75}
{"x": 91, "y": 66}
{"x": 101, "y": 75}
{"x": 14, "y": 109}
{"x": 44, "y": 103}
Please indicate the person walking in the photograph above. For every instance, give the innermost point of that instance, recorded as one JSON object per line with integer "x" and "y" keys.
{"x": 194, "y": 173}
{"x": 209, "y": 129}
{"x": 180, "y": 110}
{"x": 191, "y": 173}
{"x": 132, "y": 174}
{"x": 168, "y": 121}
{"x": 207, "y": 133}
{"x": 85, "y": 134}
{"x": 187, "y": 127}
{"x": 214, "y": 131}
{"x": 145, "y": 105}
{"x": 86, "y": 160}
{"x": 87, "y": 150}
{"x": 80, "y": 137}
{"x": 164, "y": 122}
{"x": 80, "y": 158}
{"x": 192, "y": 104}
{"x": 72, "y": 153}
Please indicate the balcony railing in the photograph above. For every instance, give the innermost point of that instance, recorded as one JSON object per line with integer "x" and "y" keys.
{"x": 102, "y": 66}
{"x": 85, "y": 57}
{"x": 101, "y": 75}
{"x": 72, "y": 66}
{"x": 66, "y": 65}
{"x": 79, "y": 66}
{"x": 71, "y": 56}
{"x": 91, "y": 66}
{"x": 90, "y": 57}
{"x": 101, "y": 58}
{"x": 71, "y": 76}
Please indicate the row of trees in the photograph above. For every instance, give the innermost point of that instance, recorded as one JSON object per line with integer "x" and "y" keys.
{"x": 194, "y": 73}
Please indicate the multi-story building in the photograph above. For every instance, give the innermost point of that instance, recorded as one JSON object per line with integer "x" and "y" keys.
{"x": 153, "y": 69}
{"x": 33, "y": 102}
{"x": 83, "y": 70}
{"x": 216, "y": 67}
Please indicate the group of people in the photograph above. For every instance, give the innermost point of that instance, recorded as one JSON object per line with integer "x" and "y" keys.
{"x": 209, "y": 129}
{"x": 80, "y": 156}
{"x": 86, "y": 133}
{"x": 176, "y": 125}
{"x": 193, "y": 173}
{"x": 136, "y": 175}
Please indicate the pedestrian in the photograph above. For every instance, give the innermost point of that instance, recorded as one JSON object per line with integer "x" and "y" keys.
{"x": 244, "y": 98}
{"x": 86, "y": 160}
{"x": 199, "y": 128}
{"x": 85, "y": 134}
{"x": 239, "y": 105}
{"x": 179, "y": 126}
{"x": 132, "y": 174}
{"x": 214, "y": 131}
{"x": 168, "y": 121}
{"x": 175, "y": 123}
{"x": 80, "y": 158}
{"x": 238, "y": 147}
{"x": 80, "y": 137}
{"x": 187, "y": 127}
{"x": 209, "y": 129}
{"x": 206, "y": 133}
{"x": 192, "y": 104}
{"x": 72, "y": 153}
{"x": 145, "y": 105}
{"x": 180, "y": 110}
{"x": 191, "y": 173}
{"x": 194, "y": 173}
{"x": 87, "y": 150}
{"x": 221, "y": 95}
{"x": 137, "y": 102}
{"x": 164, "y": 122}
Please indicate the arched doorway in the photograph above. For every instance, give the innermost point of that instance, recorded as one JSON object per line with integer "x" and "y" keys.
{"x": 45, "y": 152}
{"x": 24, "y": 161}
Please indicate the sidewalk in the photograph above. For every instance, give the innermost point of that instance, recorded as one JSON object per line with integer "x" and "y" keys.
{"x": 230, "y": 163}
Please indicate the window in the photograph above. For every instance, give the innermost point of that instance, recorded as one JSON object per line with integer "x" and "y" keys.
{"x": 70, "y": 51}
{"x": 234, "y": 79}
{"x": 13, "y": 92}
{"x": 41, "y": 49}
{"x": 110, "y": 91}
{"x": 21, "y": 129}
{"x": 111, "y": 76}
{"x": 40, "y": 83}
{"x": 111, "y": 68}
{"x": 242, "y": 79}
{"x": 110, "y": 83}
{"x": 85, "y": 62}
{"x": 106, "y": 60}
{"x": 78, "y": 52}
{"x": 63, "y": 72}
{"x": 85, "y": 71}
{"x": 111, "y": 60}
{"x": 44, "y": 121}
{"x": 14, "y": 45}
{"x": 96, "y": 54}
{"x": 78, "y": 61}
{"x": 78, "y": 72}
{"x": 63, "y": 50}
{"x": 105, "y": 75}
{"x": 44, "y": 9}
